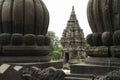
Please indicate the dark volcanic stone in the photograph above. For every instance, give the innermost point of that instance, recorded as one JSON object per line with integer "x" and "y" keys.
{"x": 107, "y": 38}
{"x": 89, "y": 39}
{"x": 29, "y": 39}
{"x": 40, "y": 39}
{"x": 115, "y": 51}
{"x": 5, "y": 38}
{"x": 45, "y": 74}
{"x": 17, "y": 39}
{"x": 116, "y": 37}
{"x": 96, "y": 38}
{"x": 51, "y": 74}
{"x": 101, "y": 51}
{"x": 47, "y": 40}
{"x": 103, "y": 15}
{"x": 114, "y": 75}
{"x": 31, "y": 18}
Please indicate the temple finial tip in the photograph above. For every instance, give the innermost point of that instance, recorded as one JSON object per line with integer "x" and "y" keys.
{"x": 73, "y": 8}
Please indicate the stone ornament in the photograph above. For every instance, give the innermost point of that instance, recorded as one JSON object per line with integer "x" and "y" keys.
{"x": 23, "y": 28}
{"x": 104, "y": 18}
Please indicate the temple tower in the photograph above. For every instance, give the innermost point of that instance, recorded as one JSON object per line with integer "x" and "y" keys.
{"x": 73, "y": 41}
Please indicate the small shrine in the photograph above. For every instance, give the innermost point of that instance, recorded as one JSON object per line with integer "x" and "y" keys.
{"x": 73, "y": 41}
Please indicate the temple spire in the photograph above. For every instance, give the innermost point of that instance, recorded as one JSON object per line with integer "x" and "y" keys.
{"x": 73, "y": 11}
{"x": 73, "y": 15}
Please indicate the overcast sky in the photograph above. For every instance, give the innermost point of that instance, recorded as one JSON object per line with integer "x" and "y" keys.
{"x": 60, "y": 11}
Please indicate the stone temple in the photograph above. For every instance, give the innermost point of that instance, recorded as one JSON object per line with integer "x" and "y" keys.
{"x": 73, "y": 41}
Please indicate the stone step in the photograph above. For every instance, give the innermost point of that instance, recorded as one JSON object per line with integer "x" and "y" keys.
{"x": 103, "y": 61}
{"x": 91, "y": 69}
{"x": 77, "y": 78}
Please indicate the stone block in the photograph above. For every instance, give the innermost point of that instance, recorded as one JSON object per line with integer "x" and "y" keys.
{"x": 23, "y": 59}
{"x": 101, "y": 51}
{"x": 91, "y": 69}
{"x": 103, "y": 61}
{"x": 25, "y": 50}
{"x": 115, "y": 51}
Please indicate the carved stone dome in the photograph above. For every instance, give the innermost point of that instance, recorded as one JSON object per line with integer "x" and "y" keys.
{"x": 23, "y": 28}
{"x": 23, "y": 16}
{"x": 104, "y": 18}
{"x": 104, "y": 15}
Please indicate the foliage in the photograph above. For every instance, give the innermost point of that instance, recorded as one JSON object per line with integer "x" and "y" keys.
{"x": 87, "y": 46}
{"x": 55, "y": 46}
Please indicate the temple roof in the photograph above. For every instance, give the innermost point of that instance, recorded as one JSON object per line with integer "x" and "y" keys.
{"x": 73, "y": 15}
{"x": 73, "y": 30}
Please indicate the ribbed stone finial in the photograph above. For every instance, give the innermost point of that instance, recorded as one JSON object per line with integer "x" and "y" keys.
{"x": 24, "y": 16}
{"x": 23, "y": 28}
{"x": 72, "y": 8}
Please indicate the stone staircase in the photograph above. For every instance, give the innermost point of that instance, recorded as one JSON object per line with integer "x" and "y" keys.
{"x": 79, "y": 77}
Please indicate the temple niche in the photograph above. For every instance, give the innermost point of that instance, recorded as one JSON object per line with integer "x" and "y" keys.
{"x": 73, "y": 41}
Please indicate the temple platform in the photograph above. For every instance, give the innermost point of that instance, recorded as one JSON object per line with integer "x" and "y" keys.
{"x": 96, "y": 66}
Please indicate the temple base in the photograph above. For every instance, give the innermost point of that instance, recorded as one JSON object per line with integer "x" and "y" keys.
{"x": 96, "y": 66}
{"x": 15, "y": 71}
{"x": 19, "y": 59}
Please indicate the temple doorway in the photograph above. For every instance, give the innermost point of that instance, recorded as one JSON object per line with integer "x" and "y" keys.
{"x": 66, "y": 57}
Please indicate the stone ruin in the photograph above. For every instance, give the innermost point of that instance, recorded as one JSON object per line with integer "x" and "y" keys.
{"x": 23, "y": 40}
{"x": 73, "y": 41}
{"x": 104, "y": 53}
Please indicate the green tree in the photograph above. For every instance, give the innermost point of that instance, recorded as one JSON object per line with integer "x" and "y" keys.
{"x": 87, "y": 46}
{"x": 55, "y": 46}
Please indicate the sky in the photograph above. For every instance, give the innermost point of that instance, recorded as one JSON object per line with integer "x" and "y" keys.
{"x": 60, "y": 11}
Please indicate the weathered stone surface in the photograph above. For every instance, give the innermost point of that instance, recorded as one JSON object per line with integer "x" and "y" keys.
{"x": 23, "y": 59}
{"x": 116, "y": 37}
{"x": 103, "y": 15}
{"x": 29, "y": 39}
{"x": 101, "y": 51}
{"x": 89, "y": 39}
{"x": 51, "y": 74}
{"x": 21, "y": 23}
{"x": 47, "y": 40}
{"x": 115, "y": 51}
{"x": 114, "y": 75}
{"x": 91, "y": 69}
{"x": 105, "y": 61}
{"x": 5, "y": 38}
{"x": 46, "y": 74}
{"x": 90, "y": 16}
{"x": 27, "y": 17}
{"x": 17, "y": 39}
{"x": 40, "y": 40}
{"x": 96, "y": 39}
{"x": 107, "y": 39}
{"x": 25, "y": 50}
{"x": 27, "y": 71}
